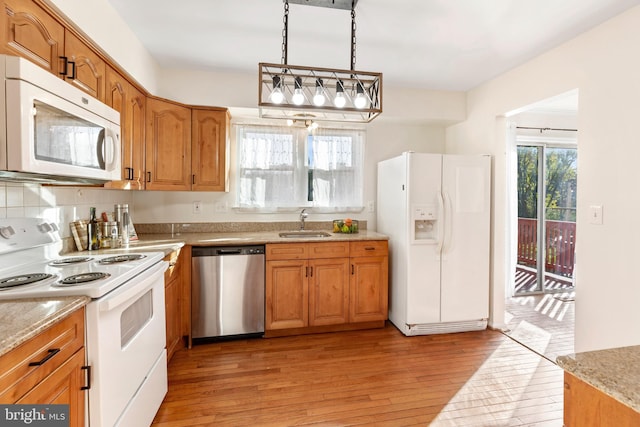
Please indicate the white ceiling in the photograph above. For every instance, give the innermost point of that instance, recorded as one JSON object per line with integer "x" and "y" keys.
{"x": 431, "y": 44}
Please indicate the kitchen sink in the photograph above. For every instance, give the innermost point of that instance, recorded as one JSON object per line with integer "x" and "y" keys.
{"x": 304, "y": 233}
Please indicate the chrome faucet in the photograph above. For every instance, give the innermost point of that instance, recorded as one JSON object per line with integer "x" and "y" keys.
{"x": 303, "y": 216}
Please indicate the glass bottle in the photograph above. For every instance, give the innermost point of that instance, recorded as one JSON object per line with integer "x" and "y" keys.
{"x": 93, "y": 243}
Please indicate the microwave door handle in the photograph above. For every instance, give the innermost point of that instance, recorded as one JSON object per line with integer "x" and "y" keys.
{"x": 112, "y": 148}
{"x": 100, "y": 150}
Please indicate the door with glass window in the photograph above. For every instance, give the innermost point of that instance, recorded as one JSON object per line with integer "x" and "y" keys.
{"x": 546, "y": 185}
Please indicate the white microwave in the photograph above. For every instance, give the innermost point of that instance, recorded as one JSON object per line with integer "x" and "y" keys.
{"x": 52, "y": 131}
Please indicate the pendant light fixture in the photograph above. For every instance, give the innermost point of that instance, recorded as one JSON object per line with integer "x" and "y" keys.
{"x": 319, "y": 94}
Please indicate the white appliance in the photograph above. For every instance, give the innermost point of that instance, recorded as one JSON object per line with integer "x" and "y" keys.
{"x": 125, "y": 338}
{"x": 436, "y": 210}
{"x": 51, "y": 130}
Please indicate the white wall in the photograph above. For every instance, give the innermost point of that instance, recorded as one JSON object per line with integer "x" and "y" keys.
{"x": 603, "y": 64}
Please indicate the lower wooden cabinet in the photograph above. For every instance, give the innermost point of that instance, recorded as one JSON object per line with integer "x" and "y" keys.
{"x": 585, "y": 405}
{"x": 174, "y": 300}
{"x": 49, "y": 369}
{"x": 316, "y": 287}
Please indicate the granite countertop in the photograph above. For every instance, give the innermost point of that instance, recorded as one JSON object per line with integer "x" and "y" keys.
{"x": 21, "y": 320}
{"x": 167, "y": 242}
{"x": 615, "y": 372}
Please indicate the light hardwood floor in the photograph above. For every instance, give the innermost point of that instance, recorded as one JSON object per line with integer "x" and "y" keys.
{"x": 364, "y": 378}
{"x": 544, "y": 323}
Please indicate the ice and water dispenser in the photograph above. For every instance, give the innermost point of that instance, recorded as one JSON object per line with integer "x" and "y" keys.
{"x": 424, "y": 223}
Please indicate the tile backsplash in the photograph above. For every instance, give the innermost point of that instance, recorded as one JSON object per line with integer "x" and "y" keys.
{"x": 58, "y": 204}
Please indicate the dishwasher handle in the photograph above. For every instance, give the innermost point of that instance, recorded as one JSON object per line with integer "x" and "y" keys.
{"x": 201, "y": 251}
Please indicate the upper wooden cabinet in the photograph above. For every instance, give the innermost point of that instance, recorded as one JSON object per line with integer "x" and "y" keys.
{"x": 209, "y": 150}
{"x": 168, "y": 146}
{"x": 84, "y": 68}
{"x": 32, "y": 33}
{"x": 186, "y": 149}
{"x": 130, "y": 103}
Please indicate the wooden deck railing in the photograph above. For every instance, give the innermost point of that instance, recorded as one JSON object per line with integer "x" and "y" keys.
{"x": 560, "y": 238}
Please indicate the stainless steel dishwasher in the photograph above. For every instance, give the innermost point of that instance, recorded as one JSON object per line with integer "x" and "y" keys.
{"x": 227, "y": 291}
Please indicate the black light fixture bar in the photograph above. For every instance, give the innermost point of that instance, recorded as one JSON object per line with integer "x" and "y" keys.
{"x": 331, "y": 4}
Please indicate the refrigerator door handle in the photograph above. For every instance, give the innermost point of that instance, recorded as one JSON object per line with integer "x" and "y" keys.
{"x": 448, "y": 231}
{"x": 441, "y": 217}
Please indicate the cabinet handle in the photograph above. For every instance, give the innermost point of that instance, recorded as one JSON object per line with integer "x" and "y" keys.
{"x": 193, "y": 178}
{"x": 353, "y": 271}
{"x": 65, "y": 60}
{"x": 73, "y": 70}
{"x": 306, "y": 272}
{"x": 50, "y": 353}
{"x": 88, "y": 369}
{"x": 311, "y": 271}
{"x": 149, "y": 176}
{"x": 369, "y": 248}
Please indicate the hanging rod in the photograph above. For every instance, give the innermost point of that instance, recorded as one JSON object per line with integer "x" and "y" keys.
{"x": 543, "y": 129}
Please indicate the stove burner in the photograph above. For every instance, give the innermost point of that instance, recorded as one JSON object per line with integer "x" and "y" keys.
{"x": 23, "y": 279}
{"x": 79, "y": 279}
{"x": 68, "y": 261}
{"x": 121, "y": 258}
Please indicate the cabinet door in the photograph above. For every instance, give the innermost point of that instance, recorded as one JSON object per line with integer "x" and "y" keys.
{"x": 90, "y": 69}
{"x": 585, "y": 405}
{"x": 168, "y": 146}
{"x": 328, "y": 291}
{"x": 31, "y": 33}
{"x": 369, "y": 289}
{"x": 173, "y": 302}
{"x": 62, "y": 386}
{"x": 287, "y": 294}
{"x": 129, "y": 102}
{"x": 209, "y": 164}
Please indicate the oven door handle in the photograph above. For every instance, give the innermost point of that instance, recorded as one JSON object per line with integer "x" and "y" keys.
{"x": 128, "y": 292}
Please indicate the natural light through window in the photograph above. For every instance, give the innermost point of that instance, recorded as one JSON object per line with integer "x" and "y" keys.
{"x": 282, "y": 168}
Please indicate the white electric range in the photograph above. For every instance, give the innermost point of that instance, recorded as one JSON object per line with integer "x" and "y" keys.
{"x": 125, "y": 320}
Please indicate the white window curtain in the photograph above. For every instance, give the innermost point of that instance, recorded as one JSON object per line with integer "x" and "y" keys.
{"x": 282, "y": 168}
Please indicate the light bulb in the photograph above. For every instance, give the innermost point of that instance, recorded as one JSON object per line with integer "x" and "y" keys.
{"x": 289, "y": 122}
{"x": 360, "y": 100}
{"x": 318, "y": 98}
{"x": 339, "y": 101}
{"x": 276, "y": 95}
{"x": 298, "y": 96}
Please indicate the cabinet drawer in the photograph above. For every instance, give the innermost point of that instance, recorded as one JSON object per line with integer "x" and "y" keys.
{"x": 46, "y": 352}
{"x": 286, "y": 251}
{"x": 329, "y": 250}
{"x": 369, "y": 248}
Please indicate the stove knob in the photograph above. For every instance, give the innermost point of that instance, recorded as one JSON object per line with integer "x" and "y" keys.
{"x": 7, "y": 232}
{"x": 45, "y": 227}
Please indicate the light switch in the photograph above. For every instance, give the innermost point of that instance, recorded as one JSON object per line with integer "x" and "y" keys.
{"x": 595, "y": 214}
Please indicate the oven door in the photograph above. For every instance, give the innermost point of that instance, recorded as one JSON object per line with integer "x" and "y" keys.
{"x": 126, "y": 342}
{"x": 50, "y": 135}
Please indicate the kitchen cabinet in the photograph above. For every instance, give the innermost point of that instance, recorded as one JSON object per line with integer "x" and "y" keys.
{"x": 210, "y": 149}
{"x": 48, "y": 368}
{"x": 130, "y": 103}
{"x": 31, "y": 32}
{"x": 186, "y": 149}
{"x": 168, "y": 146}
{"x": 585, "y": 405}
{"x": 317, "y": 287}
{"x": 174, "y": 299}
{"x": 369, "y": 283}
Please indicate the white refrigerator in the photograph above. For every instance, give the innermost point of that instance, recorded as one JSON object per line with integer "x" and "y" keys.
{"x": 435, "y": 209}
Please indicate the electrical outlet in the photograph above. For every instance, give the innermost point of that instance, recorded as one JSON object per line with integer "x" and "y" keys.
{"x": 370, "y": 206}
{"x": 197, "y": 207}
